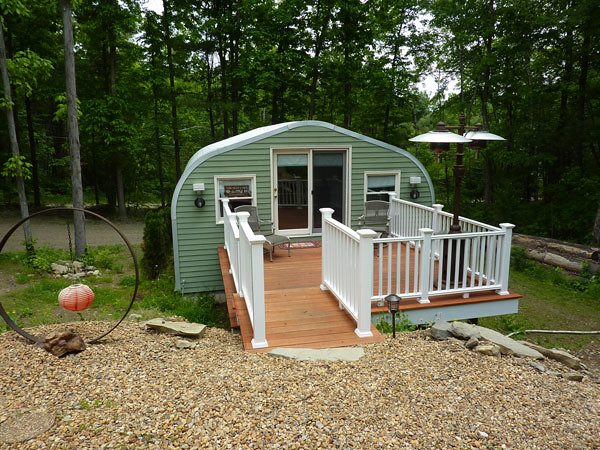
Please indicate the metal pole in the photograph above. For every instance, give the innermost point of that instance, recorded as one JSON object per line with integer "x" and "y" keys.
{"x": 458, "y": 173}
{"x": 394, "y": 324}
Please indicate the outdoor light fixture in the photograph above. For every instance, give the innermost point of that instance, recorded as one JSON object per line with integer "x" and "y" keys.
{"x": 480, "y": 138}
{"x": 443, "y": 135}
{"x": 198, "y": 188}
{"x": 414, "y": 182}
{"x": 393, "y": 304}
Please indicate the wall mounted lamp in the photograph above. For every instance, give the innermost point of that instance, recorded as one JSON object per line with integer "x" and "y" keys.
{"x": 198, "y": 188}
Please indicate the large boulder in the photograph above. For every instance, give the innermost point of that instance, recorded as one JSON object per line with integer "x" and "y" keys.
{"x": 507, "y": 345}
{"x": 440, "y": 330}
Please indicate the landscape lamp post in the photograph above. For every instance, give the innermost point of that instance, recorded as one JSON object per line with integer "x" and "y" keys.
{"x": 441, "y": 137}
{"x": 393, "y": 304}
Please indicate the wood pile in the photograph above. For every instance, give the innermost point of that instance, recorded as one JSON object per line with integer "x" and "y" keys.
{"x": 571, "y": 257}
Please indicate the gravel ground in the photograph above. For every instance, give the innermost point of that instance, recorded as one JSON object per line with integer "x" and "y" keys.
{"x": 137, "y": 391}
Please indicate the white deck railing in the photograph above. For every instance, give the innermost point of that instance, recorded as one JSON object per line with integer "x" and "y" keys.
{"x": 416, "y": 261}
{"x": 347, "y": 269}
{"x": 245, "y": 252}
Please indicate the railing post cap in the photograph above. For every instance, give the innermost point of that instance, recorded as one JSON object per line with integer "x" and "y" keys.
{"x": 225, "y": 200}
{"x": 507, "y": 225}
{"x": 366, "y": 233}
{"x": 392, "y": 194}
{"x": 438, "y": 206}
{"x": 426, "y": 230}
{"x": 326, "y": 210}
{"x": 243, "y": 216}
{"x": 257, "y": 239}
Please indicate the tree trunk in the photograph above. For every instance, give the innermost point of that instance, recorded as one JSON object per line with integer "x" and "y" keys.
{"x": 35, "y": 178}
{"x": 14, "y": 145}
{"x": 174, "y": 124}
{"x": 209, "y": 93}
{"x": 223, "y": 64}
{"x": 73, "y": 129}
{"x": 596, "y": 232}
{"x": 579, "y": 136}
{"x": 319, "y": 43}
{"x": 122, "y": 209}
{"x": 161, "y": 178}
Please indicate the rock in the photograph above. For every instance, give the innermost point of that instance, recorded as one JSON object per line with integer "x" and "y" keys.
{"x": 59, "y": 269}
{"x": 183, "y": 344}
{"x": 472, "y": 343}
{"x": 134, "y": 316}
{"x": 78, "y": 266}
{"x": 482, "y": 434}
{"x": 487, "y": 349}
{"x": 537, "y": 366}
{"x": 79, "y": 275}
{"x": 559, "y": 355}
{"x": 440, "y": 330}
{"x": 324, "y": 354}
{"x": 573, "y": 376}
{"x": 95, "y": 273}
{"x": 24, "y": 426}
{"x": 507, "y": 345}
{"x": 194, "y": 330}
{"x": 556, "y": 374}
{"x": 63, "y": 343}
{"x": 90, "y": 268}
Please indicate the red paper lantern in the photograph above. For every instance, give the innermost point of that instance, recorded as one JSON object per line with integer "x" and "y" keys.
{"x": 76, "y": 297}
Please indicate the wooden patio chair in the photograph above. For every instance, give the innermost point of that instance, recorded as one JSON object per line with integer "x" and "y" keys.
{"x": 376, "y": 217}
{"x": 258, "y": 227}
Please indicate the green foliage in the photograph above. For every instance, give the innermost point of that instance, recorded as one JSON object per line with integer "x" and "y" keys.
{"x": 105, "y": 257}
{"x": 16, "y": 166}
{"x": 157, "y": 245}
{"x": 402, "y": 324}
{"x": 27, "y": 70}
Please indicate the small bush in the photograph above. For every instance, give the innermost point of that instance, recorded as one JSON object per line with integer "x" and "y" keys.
{"x": 157, "y": 245}
{"x": 402, "y": 324}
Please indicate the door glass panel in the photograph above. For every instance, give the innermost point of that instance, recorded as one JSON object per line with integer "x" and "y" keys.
{"x": 292, "y": 191}
{"x": 328, "y": 185}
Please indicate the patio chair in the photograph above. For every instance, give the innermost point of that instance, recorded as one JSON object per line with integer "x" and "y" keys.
{"x": 257, "y": 225}
{"x": 376, "y": 217}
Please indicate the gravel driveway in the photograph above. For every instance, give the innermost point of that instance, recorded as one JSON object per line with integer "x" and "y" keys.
{"x": 51, "y": 231}
{"x": 137, "y": 391}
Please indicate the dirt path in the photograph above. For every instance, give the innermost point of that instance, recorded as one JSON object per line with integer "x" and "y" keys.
{"x": 52, "y": 232}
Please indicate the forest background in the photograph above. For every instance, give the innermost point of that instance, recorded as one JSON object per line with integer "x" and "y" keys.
{"x": 154, "y": 88}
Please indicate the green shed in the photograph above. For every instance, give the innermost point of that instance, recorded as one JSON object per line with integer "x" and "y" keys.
{"x": 288, "y": 171}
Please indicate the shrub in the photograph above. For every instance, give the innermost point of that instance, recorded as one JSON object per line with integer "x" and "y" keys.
{"x": 157, "y": 244}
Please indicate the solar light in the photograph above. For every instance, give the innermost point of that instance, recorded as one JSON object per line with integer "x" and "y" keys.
{"x": 393, "y": 304}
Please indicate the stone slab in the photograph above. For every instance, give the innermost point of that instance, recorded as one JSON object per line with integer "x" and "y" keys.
{"x": 440, "y": 330}
{"x": 25, "y": 425}
{"x": 187, "y": 329}
{"x": 507, "y": 345}
{"x": 323, "y": 354}
{"x": 559, "y": 355}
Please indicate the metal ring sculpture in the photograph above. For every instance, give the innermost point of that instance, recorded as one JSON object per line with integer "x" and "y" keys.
{"x": 9, "y": 233}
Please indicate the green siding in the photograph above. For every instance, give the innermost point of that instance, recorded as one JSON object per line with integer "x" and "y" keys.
{"x": 199, "y": 236}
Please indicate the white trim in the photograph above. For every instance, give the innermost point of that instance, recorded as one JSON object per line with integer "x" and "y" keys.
{"x": 397, "y": 177}
{"x": 217, "y": 178}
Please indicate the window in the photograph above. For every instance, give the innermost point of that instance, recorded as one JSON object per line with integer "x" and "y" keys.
{"x": 240, "y": 190}
{"x": 379, "y": 184}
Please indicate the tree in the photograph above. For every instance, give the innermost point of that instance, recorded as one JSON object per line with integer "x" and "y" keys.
{"x": 73, "y": 129}
{"x": 16, "y": 165}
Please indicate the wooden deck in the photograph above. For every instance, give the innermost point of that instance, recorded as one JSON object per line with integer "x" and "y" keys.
{"x": 299, "y": 314}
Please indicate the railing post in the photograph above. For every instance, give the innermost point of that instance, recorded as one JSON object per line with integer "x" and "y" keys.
{"x": 435, "y": 224}
{"x": 242, "y": 218}
{"x": 424, "y": 267}
{"x": 393, "y": 226}
{"x": 258, "y": 293}
{"x": 437, "y": 209}
{"x": 365, "y": 282}
{"x": 505, "y": 263}
{"x": 225, "y": 217}
{"x": 326, "y": 213}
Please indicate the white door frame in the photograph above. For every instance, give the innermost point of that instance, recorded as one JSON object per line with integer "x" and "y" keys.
{"x": 309, "y": 149}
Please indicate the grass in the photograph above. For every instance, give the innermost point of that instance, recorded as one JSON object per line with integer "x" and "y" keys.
{"x": 29, "y": 292}
{"x": 552, "y": 300}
